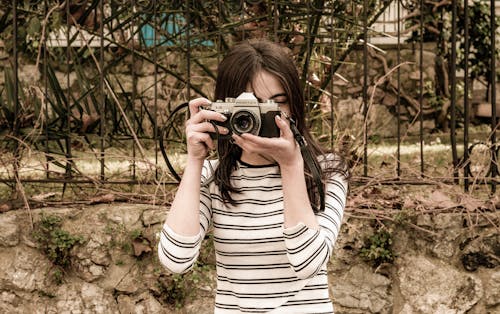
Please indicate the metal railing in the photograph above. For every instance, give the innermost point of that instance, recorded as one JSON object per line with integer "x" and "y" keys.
{"x": 106, "y": 74}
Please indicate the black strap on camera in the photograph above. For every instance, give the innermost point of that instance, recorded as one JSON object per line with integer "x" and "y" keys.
{"x": 164, "y": 132}
{"x": 310, "y": 162}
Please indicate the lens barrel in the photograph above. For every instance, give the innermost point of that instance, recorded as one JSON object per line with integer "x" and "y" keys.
{"x": 244, "y": 121}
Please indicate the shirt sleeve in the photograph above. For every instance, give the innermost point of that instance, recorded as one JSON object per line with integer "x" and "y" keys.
{"x": 179, "y": 253}
{"x": 308, "y": 249}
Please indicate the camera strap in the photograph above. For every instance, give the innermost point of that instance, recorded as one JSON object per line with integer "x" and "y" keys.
{"x": 310, "y": 162}
{"x": 164, "y": 131}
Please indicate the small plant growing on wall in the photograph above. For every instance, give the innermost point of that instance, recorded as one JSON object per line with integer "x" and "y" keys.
{"x": 176, "y": 289}
{"x": 378, "y": 248}
{"x": 56, "y": 244}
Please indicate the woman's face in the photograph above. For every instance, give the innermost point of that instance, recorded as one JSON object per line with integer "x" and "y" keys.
{"x": 266, "y": 86}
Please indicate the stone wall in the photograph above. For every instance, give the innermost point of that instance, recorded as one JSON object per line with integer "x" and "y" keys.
{"x": 443, "y": 263}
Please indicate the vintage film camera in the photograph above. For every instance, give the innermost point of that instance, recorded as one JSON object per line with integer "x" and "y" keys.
{"x": 246, "y": 115}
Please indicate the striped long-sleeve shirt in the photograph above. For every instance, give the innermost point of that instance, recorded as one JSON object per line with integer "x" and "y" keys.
{"x": 261, "y": 266}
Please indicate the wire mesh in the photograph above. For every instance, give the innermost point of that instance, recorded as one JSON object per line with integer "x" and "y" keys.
{"x": 109, "y": 72}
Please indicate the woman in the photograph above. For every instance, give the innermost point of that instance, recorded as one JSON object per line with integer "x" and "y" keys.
{"x": 271, "y": 246}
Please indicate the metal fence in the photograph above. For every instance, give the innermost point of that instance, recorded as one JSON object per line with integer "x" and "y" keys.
{"x": 88, "y": 86}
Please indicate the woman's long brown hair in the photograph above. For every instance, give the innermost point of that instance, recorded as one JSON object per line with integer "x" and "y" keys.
{"x": 243, "y": 62}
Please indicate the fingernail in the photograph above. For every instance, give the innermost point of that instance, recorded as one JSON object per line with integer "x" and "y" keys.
{"x": 224, "y": 118}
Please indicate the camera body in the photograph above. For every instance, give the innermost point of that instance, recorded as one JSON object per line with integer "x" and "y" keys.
{"x": 246, "y": 115}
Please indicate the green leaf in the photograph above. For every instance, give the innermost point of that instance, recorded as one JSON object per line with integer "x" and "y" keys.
{"x": 34, "y": 27}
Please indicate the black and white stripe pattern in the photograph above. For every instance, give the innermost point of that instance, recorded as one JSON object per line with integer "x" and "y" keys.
{"x": 262, "y": 267}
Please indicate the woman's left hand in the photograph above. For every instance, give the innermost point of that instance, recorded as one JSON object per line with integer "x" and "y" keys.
{"x": 284, "y": 149}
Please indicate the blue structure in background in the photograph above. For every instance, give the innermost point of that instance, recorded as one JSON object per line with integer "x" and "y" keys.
{"x": 173, "y": 26}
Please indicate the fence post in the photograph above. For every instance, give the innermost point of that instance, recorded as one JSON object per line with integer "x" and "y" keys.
{"x": 494, "y": 123}
{"x": 466, "y": 161}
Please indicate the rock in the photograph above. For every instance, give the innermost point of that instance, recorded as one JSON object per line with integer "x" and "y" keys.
{"x": 336, "y": 90}
{"x": 353, "y": 91}
{"x": 389, "y": 100}
{"x": 62, "y": 79}
{"x": 424, "y": 221}
{"x": 376, "y": 67}
{"x": 154, "y": 216}
{"x": 444, "y": 249}
{"x": 125, "y": 304}
{"x": 127, "y": 215}
{"x": 372, "y": 290}
{"x": 128, "y": 284}
{"x": 436, "y": 287}
{"x": 449, "y": 227}
{"x": 376, "y": 94}
{"x": 96, "y": 300}
{"x": 447, "y": 221}
{"x": 149, "y": 305}
{"x": 7, "y": 301}
{"x": 9, "y": 232}
{"x": 99, "y": 253}
{"x": 87, "y": 270}
{"x": 492, "y": 290}
{"x": 121, "y": 83}
{"x": 68, "y": 300}
{"x": 146, "y": 86}
{"x": 481, "y": 251}
{"x": 348, "y": 113}
{"x": 84, "y": 298}
{"x": 29, "y": 74}
{"x": 115, "y": 273}
{"x": 414, "y": 128}
{"x": 23, "y": 269}
{"x": 96, "y": 271}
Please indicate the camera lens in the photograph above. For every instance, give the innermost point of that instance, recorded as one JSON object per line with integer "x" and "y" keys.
{"x": 244, "y": 122}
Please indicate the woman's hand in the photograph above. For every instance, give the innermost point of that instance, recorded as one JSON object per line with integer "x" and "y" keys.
{"x": 198, "y": 127}
{"x": 284, "y": 150}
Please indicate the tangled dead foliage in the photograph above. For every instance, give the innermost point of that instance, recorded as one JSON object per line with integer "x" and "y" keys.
{"x": 401, "y": 203}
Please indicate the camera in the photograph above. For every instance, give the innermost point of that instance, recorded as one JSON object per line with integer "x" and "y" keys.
{"x": 246, "y": 115}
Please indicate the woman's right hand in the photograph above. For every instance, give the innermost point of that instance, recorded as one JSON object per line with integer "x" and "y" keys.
{"x": 198, "y": 127}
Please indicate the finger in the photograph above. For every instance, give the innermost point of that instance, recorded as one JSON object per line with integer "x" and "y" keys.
{"x": 206, "y": 127}
{"x": 195, "y": 104}
{"x": 197, "y": 138}
{"x": 284, "y": 127}
{"x": 238, "y": 140}
{"x": 257, "y": 142}
{"x": 204, "y": 115}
